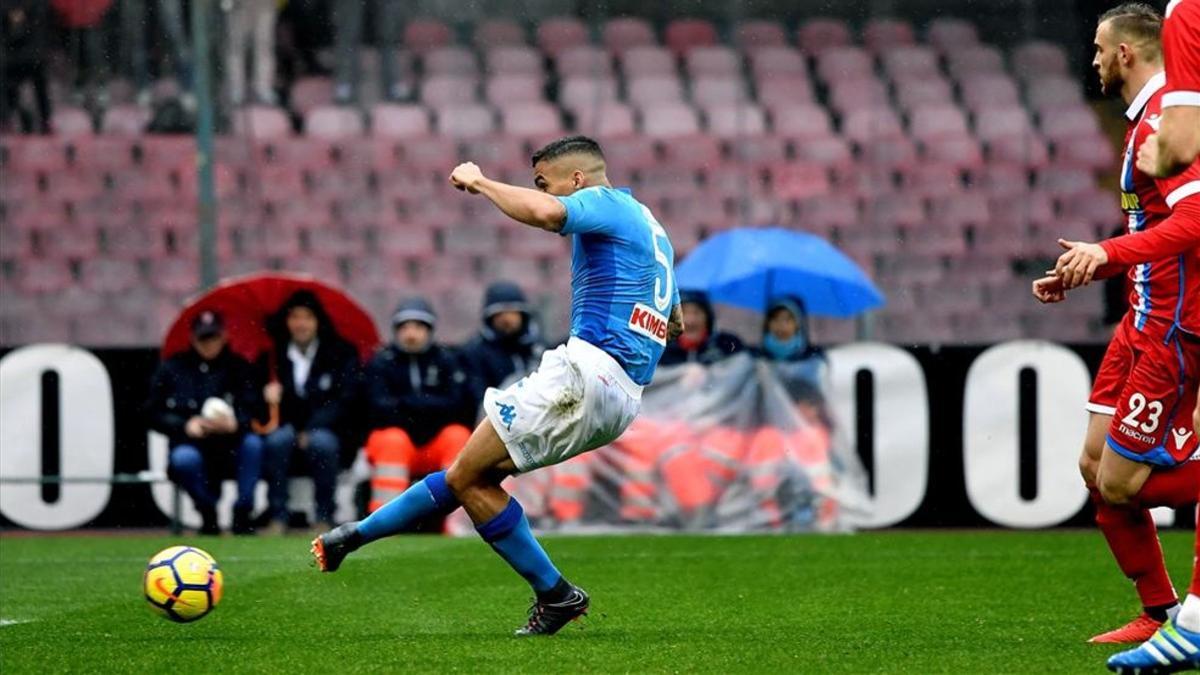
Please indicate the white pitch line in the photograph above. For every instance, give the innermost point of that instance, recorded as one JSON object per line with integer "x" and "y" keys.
{"x": 13, "y": 622}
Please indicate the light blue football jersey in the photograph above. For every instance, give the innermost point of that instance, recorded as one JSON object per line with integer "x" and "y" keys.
{"x": 622, "y": 277}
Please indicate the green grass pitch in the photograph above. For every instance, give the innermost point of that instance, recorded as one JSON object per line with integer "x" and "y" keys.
{"x": 913, "y": 602}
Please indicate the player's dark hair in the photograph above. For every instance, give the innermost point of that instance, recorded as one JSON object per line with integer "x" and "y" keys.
{"x": 571, "y": 145}
{"x": 1136, "y": 23}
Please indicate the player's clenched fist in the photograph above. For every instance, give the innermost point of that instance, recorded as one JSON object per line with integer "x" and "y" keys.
{"x": 1079, "y": 264}
{"x": 1147, "y": 156}
{"x": 466, "y": 176}
{"x": 1049, "y": 289}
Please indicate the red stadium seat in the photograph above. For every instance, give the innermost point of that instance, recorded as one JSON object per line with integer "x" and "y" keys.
{"x": 527, "y": 242}
{"x": 101, "y": 153}
{"x": 844, "y": 63}
{"x": 947, "y": 33}
{"x": 580, "y": 92}
{"x": 756, "y": 151}
{"x": 888, "y": 152}
{"x": 428, "y": 153}
{"x": 695, "y": 152}
{"x": 735, "y": 181}
{"x": 333, "y": 122}
{"x": 928, "y": 180}
{"x": 794, "y": 180}
{"x": 931, "y": 90}
{"x": 661, "y": 181}
{"x": 1051, "y": 92}
{"x": 894, "y": 210}
{"x": 1035, "y": 209}
{"x": 934, "y": 122}
{"x": 261, "y": 122}
{"x": 1061, "y": 182}
{"x": 71, "y": 122}
{"x": 126, "y": 120}
{"x": 647, "y": 61}
{"x": 440, "y": 90}
{"x": 881, "y": 35}
{"x": 452, "y": 61}
{"x": 831, "y": 151}
{"x": 503, "y": 89}
{"x": 777, "y": 60}
{"x": 776, "y": 90}
{"x": 935, "y": 239}
{"x": 713, "y": 90}
{"x": 1084, "y": 151}
{"x": 77, "y": 242}
{"x": 1064, "y": 123}
{"x": 425, "y": 35}
{"x": 43, "y": 276}
{"x": 108, "y": 276}
{"x": 965, "y": 209}
{"x": 559, "y": 33}
{"x": 910, "y": 62}
{"x": 1037, "y": 59}
{"x": 850, "y": 95}
{"x": 407, "y": 240}
{"x": 962, "y": 152}
{"x": 333, "y": 240}
{"x": 24, "y": 154}
{"x": 496, "y": 153}
{"x": 824, "y": 213}
{"x": 514, "y": 60}
{"x": 531, "y": 119}
{"x": 166, "y": 152}
{"x": 966, "y": 62}
{"x": 493, "y": 33}
{"x": 1002, "y": 180}
{"x": 653, "y": 90}
{"x": 684, "y": 35}
{"x": 394, "y": 120}
{"x": 756, "y": 33}
{"x": 623, "y": 33}
{"x": 584, "y": 61}
{"x": 867, "y": 124}
{"x": 471, "y": 240}
{"x": 1098, "y": 207}
{"x": 821, "y": 34}
{"x": 1027, "y": 150}
{"x": 801, "y": 121}
{"x": 982, "y": 92}
{"x": 669, "y": 120}
{"x": 604, "y": 120}
{"x": 310, "y": 92}
{"x": 993, "y": 123}
{"x": 735, "y": 120}
{"x": 713, "y": 61}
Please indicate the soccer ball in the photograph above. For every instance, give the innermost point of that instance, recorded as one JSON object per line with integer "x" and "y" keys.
{"x": 182, "y": 583}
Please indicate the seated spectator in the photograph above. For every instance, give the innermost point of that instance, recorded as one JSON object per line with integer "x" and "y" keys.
{"x": 203, "y": 401}
{"x": 507, "y": 348}
{"x": 24, "y": 24}
{"x": 416, "y": 390}
{"x": 317, "y": 375}
{"x": 699, "y": 342}
{"x": 801, "y": 366}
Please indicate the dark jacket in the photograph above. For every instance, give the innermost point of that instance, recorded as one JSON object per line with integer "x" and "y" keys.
{"x": 24, "y": 42}
{"x": 716, "y": 347}
{"x": 420, "y": 393}
{"x": 328, "y": 392}
{"x": 491, "y": 359}
{"x": 182, "y": 384}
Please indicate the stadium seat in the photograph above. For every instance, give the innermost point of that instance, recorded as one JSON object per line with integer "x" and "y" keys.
{"x": 820, "y": 34}
{"x": 604, "y": 120}
{"x": 832, "y": 151}
{"x": 961, "y": 210}
{"x": 882, "y": 35}
{"x": 800, "y": 121}
{"x": 1002, "y": 180}
{"x": 754, "y": 34}
{"x": 395, "y": 120}
{"x": 452, "y": 61}
{"x": 261, "y": 122}
{"x": 1027, "y": 150}
{"x": 71, "y": 122}
{"x": 557, "y": 34}
{"x": 126, "y": 120}
{"x": 947, "y": 34}
{"x": 784, "y": 89}
{"x": 992, "y": 122}
{"x": 935, "y": 238}
{"x": 668, "y": 119}
{"x": 777, "y": 60}
{"x": 982, "y": 92}
{"x": 683, "y": 35}
{"x": 794, "y": 180}
{"x": 531, "y": 119}
{"x": 514, "y": 60}
{"x": 824, "y": 213}
{"x": 506, "y": 89}
{"x": 526, "y": 242}
{"x": 937, "y": 121}
{"x": 662, "y": 182}
{"x": 734, "y": 120}
{"x": 1045, "y": 93}
{"x": 930, "y": 90}
{"x": 910, "y": 62}
{"x": 165, "y": 152}
{"x": 310, "y": 92}
{"x": 894, "y": 210}
{"x": 100, "y": 153}
{"x": 642, "y": 91}
{"x": 584, "y": 61}
{"x": 333, "y": 122}
{"x": 425, "y": 35}
{"x": 581, "y": 92}
{"x": 966, "y": 62}
{"x": 1060, "y": 182}
{"x": 107, "y": 275}
{"x": 854, "y": 94}
{"x": 1098, "y": 207}
{"x": 695, "y": 152}
{"x": 1038, "y": 59}
{"x": 713, "y": 61}
{"x": 498, "y": 33}
{"x": 1085, "y": 151}
{"x": 867, "y": 124}
{"x": 1060, "y": 124}
{"x": 929, "y": 179}
{"x": 844, "y": 63}
{"x": 440, "y": 90}
{"x": 961, "y": 152}
{"x": 623, "y": 33}
{"x": 647, "y": 61}
{"x": 28, "y": 154}
{"x": 714, "y": 90}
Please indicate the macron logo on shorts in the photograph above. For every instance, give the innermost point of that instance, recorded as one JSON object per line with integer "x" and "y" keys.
{"x": 1182, "y": 434}
{"x": 645, "y": 321}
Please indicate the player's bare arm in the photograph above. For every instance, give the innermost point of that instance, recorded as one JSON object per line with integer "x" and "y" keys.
{"x": 675, "y": 323}
{"x": 531, "y": 207}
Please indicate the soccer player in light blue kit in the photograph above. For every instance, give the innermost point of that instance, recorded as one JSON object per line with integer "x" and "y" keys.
{"x": 624, "y": 308}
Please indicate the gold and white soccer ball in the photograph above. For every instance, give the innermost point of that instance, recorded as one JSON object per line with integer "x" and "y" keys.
{"x": 182, "y": 583}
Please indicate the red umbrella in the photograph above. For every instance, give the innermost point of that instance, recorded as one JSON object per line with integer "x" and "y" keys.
{"x": 247, "y": 304}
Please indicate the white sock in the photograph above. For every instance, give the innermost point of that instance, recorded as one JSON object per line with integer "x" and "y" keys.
{"x": 1189, "y": 615}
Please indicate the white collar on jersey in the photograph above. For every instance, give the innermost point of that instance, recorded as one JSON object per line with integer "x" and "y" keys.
{"x": 1149, "y": 89}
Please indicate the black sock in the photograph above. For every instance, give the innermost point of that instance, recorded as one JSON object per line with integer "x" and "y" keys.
{"x": 560, "y": 592}
{"x": 1159, "y": 612}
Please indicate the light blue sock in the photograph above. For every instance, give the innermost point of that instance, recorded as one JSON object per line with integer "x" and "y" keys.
{"x": 425, "y": 498}
{"x": 510, "y": 535}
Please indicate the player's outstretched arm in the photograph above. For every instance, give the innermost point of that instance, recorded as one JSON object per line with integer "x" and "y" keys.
{"x": 1083, "y": 261}
{"x": 1175, "y": 146}
{"x": 521, "y": 204}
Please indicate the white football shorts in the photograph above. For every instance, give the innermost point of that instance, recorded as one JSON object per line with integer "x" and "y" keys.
{"x": 578, "y": 399}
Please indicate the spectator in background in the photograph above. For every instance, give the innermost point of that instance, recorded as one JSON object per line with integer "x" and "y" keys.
{"x": 786, "y": 343}
{"x": 507, "y": 348}
{"x": 25, "y": 24}
{"x": 251, "y": 27}
{"x": 416, "y": 393}
{"x": 348, "y": 25}
{"x": 700, "y": 342}
{"x": 203, "y": 401}
{"x": 83, "y": 19}
{"x": 316, "y": 374}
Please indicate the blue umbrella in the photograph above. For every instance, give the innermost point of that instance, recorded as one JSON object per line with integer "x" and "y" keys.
{"x": 748, "y": 267}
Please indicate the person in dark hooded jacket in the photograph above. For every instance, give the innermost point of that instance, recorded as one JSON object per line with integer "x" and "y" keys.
{"x": 416, "y": 391}
{"x": 786, "y": 343}
{"x": 315, "y": 376}
{"x": 509, "y": 345}
{"x": 699, "y": 342}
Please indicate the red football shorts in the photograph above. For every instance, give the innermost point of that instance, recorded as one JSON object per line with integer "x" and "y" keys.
{"x": 1148, "y": 382}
